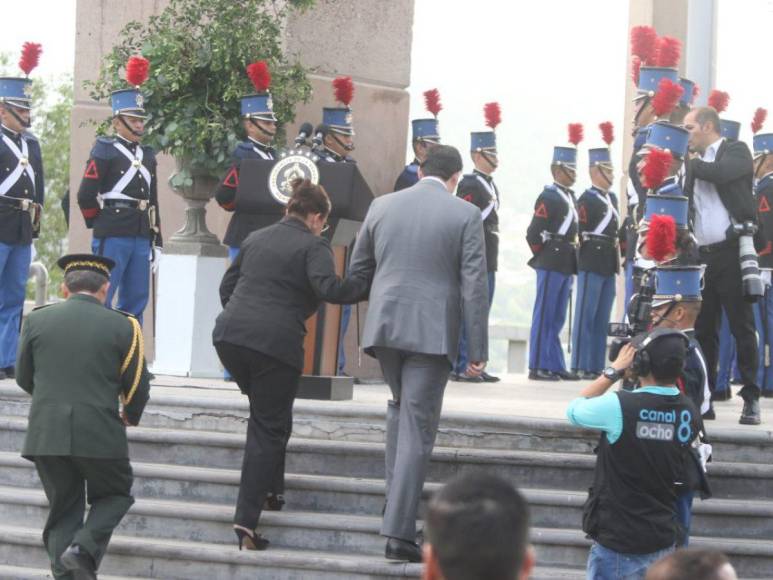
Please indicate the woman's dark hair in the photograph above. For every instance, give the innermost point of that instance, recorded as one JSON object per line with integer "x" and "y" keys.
{"x": 308, "y": 198}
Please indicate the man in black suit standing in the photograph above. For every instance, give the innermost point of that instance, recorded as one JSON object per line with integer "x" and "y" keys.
{"x": 720, "y": 177}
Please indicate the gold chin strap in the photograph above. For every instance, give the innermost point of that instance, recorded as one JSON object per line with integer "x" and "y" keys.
{"x": 138, "y": 347}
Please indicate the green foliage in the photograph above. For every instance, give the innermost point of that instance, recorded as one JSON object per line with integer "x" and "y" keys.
{"x": 198, "y": 51}
{"x": 52, "y": 102}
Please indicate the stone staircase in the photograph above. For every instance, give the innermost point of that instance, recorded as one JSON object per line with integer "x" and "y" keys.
{"x": 186, "y": 459}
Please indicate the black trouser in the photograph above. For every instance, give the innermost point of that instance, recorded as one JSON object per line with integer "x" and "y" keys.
{"x": 271, "y": 386}
{"x": 723, "y": 288}
{"x": 69, "y": 482}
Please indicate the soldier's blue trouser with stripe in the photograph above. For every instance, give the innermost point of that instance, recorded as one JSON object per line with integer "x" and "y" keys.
{"x": 14, "y": 270}
{"x": 763, "y": 319}
{"x": 130, "y": 277}
{"x": 595, "y": 295}
{"x": 548, "y": 318}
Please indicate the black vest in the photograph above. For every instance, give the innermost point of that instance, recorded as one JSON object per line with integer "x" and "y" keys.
{"x": 631, "y": 506}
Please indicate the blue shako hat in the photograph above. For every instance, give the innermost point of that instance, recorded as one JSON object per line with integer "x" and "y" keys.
{"x": 650, "y": 77}
{"x": 729, "y": 129}
{"x": 763, "y": 144}
{"x": 599, "y": 156}
{"x": 16, "y": 91}
{"x": 666, "y": 136}
{"x": 338, "y": 120}
{"x": 129, "y": 102}
{"x": 258, "y": 106}
{"x": 677, "y": 206}
{"x": 567, "y": 156}
{"x": 689, "y": 92}
{"x": 425, "y": 130}
{"x": 483, "y": 141}
{"x": 677, "y": 284}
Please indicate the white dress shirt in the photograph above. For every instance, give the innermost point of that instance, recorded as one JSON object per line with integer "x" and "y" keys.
{"x": 711, "y": 216}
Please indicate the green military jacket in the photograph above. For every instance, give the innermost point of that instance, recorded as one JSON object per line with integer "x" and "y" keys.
{"x": 77, "y": 358}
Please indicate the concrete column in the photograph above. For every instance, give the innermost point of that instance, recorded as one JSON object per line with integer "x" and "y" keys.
{"x": 367, "y": 39}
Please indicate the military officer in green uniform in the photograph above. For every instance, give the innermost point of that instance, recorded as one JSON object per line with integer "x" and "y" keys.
{"x": 84, "y": 366}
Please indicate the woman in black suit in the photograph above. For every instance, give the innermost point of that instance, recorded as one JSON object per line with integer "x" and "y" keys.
{"x": 281, "y": 275}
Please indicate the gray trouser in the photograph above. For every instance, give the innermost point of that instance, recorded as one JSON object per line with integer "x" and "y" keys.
{"x": 417, "y": 382}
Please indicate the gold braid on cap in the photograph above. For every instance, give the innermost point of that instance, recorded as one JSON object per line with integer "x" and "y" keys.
{"x": 88, "y": 264}
{"x": 138, "y": 347}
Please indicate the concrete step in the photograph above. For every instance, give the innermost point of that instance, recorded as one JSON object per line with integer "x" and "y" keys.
{"x": 363, "y": 496}
{"x": 347, "y": 421}
{"x": 25, "y": 573}
{"x": 528, "y": 469}
{"x": 333, "y": 533}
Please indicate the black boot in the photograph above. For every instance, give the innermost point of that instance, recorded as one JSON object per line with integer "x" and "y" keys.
{"x": 397, "y": 549}
{"x": 751, "y": 413}
{"x": 80, "y": 562}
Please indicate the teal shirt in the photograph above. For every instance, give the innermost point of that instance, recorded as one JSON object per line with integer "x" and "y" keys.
{"x": 605, "y": 413}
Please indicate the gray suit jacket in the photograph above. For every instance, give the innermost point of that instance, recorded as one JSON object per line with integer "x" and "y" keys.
{"x": 426, "y": 247}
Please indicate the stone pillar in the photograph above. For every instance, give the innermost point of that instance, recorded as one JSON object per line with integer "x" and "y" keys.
{"x": 367, "y": 39}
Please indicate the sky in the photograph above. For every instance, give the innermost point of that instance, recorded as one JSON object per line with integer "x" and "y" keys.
{"x": 562, "y": 61}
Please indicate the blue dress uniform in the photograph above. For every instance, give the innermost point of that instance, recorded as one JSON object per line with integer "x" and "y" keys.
{"x": 425, "y": 130}
{"x": 675, "y": 284}
{"x": 21, "y": 199}
{"x": 118, "y": 198}
{"x": 598, "y": 264}
{"x": 763, "y": 309}
{"x": 649, "y": 79}
{"x": 479, "y": 189}
{"x": 338, "y": 120}
{"x": 257, "y": 107}
{"x": 552, "y": 237}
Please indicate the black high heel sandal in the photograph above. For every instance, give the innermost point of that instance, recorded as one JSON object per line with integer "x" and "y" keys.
{"x": 250, "y": 540}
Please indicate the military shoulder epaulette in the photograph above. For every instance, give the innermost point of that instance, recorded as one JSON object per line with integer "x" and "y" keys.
{"x": 103, "y": 148}
{"x": 127, "y": 314}
{"x": 29, "y": 136}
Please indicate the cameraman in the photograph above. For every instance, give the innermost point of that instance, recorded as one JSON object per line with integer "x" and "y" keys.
{"x": 643, "y": 455}
{"x": 719, "y": 182}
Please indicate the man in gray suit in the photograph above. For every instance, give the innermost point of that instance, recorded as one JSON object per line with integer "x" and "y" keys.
{"x": 427, "y": 252}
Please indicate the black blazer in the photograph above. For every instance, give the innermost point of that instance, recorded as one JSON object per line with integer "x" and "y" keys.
{"x": 281, "y": 275}
{"x": 732, "y": 173}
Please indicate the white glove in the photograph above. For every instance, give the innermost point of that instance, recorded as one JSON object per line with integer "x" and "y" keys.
{"x": 155, "y": 258}
{"x": 765, "y": 275}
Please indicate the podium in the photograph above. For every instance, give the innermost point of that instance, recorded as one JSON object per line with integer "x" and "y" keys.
{"x": 350, "y": 197}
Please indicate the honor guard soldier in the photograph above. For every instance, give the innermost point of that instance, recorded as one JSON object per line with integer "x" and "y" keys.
{"x": 84, "y": 366}
{"x": 598, "y": 263}
{"x": 334, "y": 140}
{"x": 21, "y": 200}
{"x": 689, "y": 92}
{"x": 552, "y": 238}
{"x": 650, "y": 68}
{"x": 425, "y": 135}
{"x": 118, "y": 196}
{"x": 479, "y": 189}
{"x": 259, "y": 124}
{"x": 763, "y": 171}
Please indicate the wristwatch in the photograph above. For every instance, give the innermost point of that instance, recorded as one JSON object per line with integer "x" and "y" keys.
{"x": 612, "y": 374}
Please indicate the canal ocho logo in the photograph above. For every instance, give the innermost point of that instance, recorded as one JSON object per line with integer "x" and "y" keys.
{"x": 663, "y": 425}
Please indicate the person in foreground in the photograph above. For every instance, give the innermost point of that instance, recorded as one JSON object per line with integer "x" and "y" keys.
{"x": 477, "y": 528}
{"x": 78, "y": 359}
{"x": 426, "y": 248}
{"x": 630, "y": 513}
{"x": 275, "y": 283}
{"x": 692, "y": 565}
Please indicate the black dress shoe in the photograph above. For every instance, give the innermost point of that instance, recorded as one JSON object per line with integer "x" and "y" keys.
{"x": 10, "y": 372}
{"x": 725, "y": 395}
{"x": 767, "y": 394}
{"x": 751, "y": 413}
{"x": 487, "y": 378}
{"x": 3, "y": 376}
{"x": 709, "y": 415}
{"x": 542, "y": 376}
{"x": 397, "y": 549}
{"x": 79, "y": 562}
{"x": 465, "y": 378}
{"x": 588, "y": 375}
{"x": 567, "y": 376}
{"x": 250, "y": 541}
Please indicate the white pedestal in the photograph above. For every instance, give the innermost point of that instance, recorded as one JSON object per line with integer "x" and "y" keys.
{"x": 187, "y": 304}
